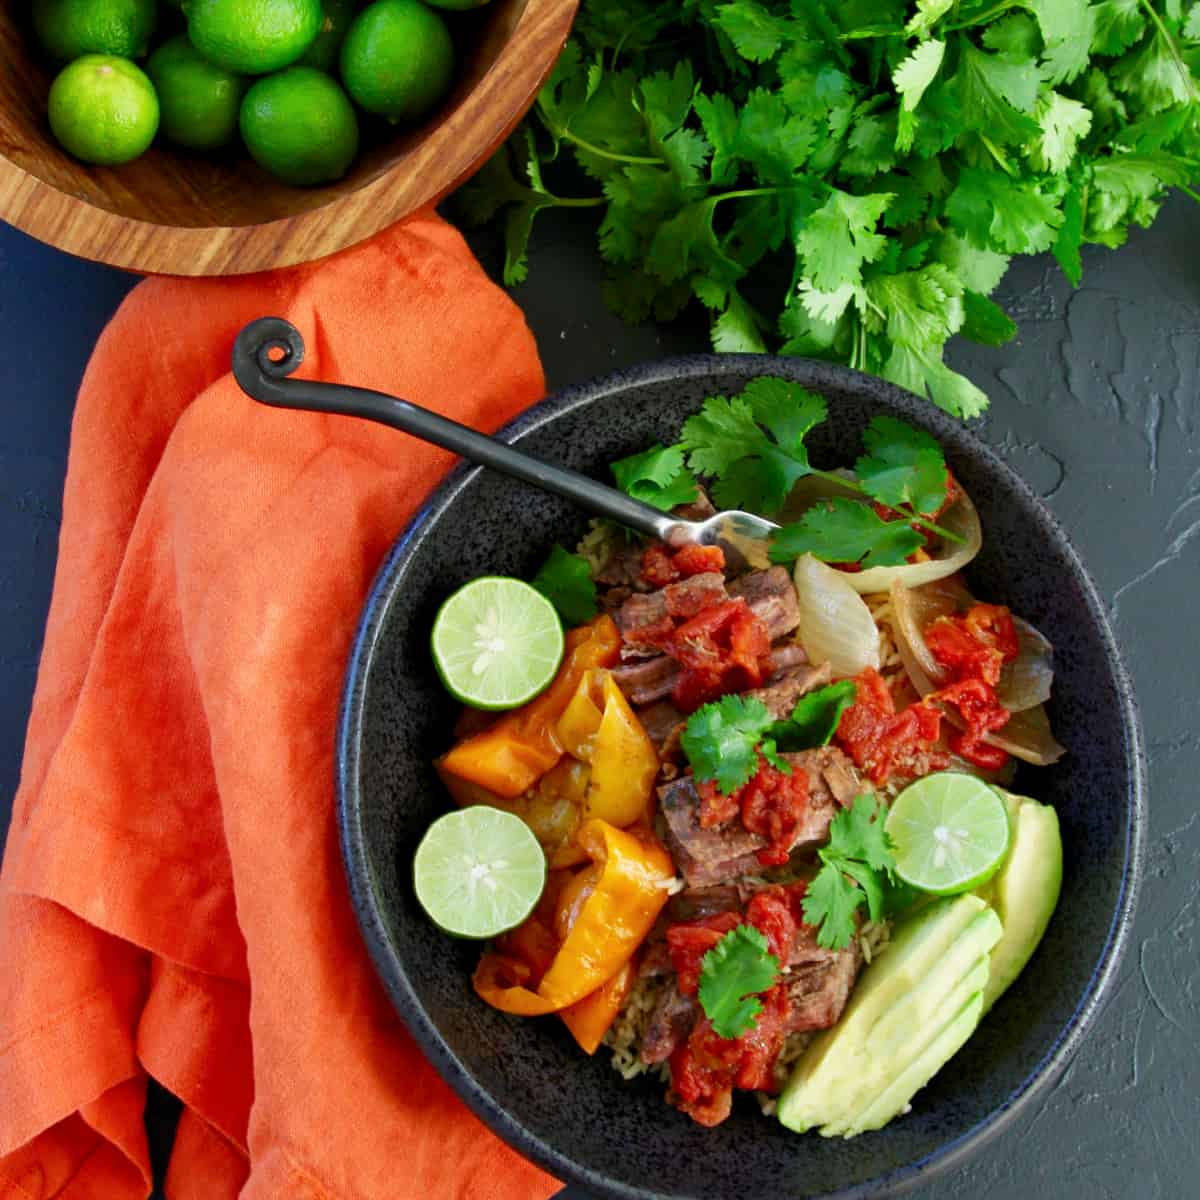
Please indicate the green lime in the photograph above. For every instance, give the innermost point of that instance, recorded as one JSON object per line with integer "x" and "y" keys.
{"x": 198, "y": 100}
{"x": 950, "y": 832}
{"x": 479, "y": 871}
{"x": 254, "y": 37}
{"x": 497, "y": 643}
{"x": 103, "y": 109}
{"x": 299, "y": 125}
{"x": 335, "y": 20}
{"x": 397, "y": 59}
{"x": 69, "y": 28}
{"x": 457, "y": 5}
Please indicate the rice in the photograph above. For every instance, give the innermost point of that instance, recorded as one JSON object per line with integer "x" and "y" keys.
{"x": 598, "y": 545}
{"x": 624, "y": 1037}
{"x": 873, "y": 939}
{"x": 890, "y": 662}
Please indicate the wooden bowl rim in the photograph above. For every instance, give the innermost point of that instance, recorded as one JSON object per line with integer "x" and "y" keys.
{"x": 36, "y": 207}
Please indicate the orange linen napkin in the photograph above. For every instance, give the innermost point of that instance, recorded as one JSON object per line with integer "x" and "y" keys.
{"x": 172, "y": 901}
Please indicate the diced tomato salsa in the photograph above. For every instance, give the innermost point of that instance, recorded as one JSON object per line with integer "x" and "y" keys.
{"x": 661, "y": 566}
{"x": 973, "y": 648}
{"x": 707, "y": 1068}
{"x": 771, "y": 803}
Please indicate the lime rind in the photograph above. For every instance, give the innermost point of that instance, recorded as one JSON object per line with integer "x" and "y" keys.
{"x": 497, "y": 643}
{"x": 951, "y": 833}
{"x": 479, "y": 872}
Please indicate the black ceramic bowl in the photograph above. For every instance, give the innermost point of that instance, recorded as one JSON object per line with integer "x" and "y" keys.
{"x": 526, "y": 1078}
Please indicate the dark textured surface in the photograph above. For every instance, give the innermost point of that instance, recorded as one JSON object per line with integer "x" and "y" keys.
{"x": 527, "y": 1078}
{"x": 1095, "y": 404}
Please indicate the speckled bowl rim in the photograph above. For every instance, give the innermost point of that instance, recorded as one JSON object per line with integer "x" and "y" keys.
{"x": 356, "y": 860}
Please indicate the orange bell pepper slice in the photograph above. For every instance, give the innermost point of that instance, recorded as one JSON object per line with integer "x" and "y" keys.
{"x": 589, "y": 1019}
{"x": 624, "y": 762}
{"x": 612, "y": 922}
{"x": 513, "y": 754}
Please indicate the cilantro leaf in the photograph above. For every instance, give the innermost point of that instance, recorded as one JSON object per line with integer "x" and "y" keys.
{"x": 829, "y": 906}
{"x": 754, "y": 443}
{"x": 731, "y": 973}
{"x": 840, "y": 237}
{"x": 857, "y": 832}
{"x": 844, "y": 531}
{"x": 902, "y": 465}
{"x": 912, "y": 76}
{"x": 1064, "y": 122}
{"x": 986, "y": 322}
{"x": 1070, "y": 236}
{"x": 857, "y": 866}
{"x": 996, "y": 94}
{"x": 721, "y": 738}
{"x": 657, "y": 477}
{"x": 997, "y": 211}
{"x": 815, "y": 718}
{"x": 566, "y": 581}
{"x": 756, "y": 34}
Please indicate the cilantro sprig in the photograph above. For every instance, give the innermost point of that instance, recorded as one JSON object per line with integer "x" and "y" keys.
{"x": 885, "y": 159}
{"x": 657, "y": 477}
{"x": 723, "y": 740}
{"x": 565, "y": 580}
{"x": 736, "y": 968}
{"x": 752, "y": 448}
{"x": 857, "y": 867}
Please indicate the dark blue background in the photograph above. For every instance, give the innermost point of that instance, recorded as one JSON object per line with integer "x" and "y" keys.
{"x": 1095, "y": 403}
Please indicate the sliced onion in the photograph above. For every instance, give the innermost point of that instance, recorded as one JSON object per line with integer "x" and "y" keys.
{"x": 960, "y": 518}
{"x": 836, "y": 625}
{"x": 1025, "y": 682}
{"x": 1027, "y": 736}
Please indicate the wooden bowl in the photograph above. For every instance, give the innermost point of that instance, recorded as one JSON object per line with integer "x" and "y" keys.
{"x": 177, "y": 213}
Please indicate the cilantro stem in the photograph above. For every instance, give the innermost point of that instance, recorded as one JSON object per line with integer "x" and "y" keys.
{"x": 568, "y": 136}
{"x": 742, "y": 193}
{"x": 1187, "y": 191}
{"x": 983, "y": 18}
{"x": 1188, "y": 82}
{"x": 909, "y": 513}
{"x": 997, "y": 154}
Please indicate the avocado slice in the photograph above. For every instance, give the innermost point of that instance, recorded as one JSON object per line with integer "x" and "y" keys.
{"x": 1025, "y": 891}
{"x": 892, "y": 1101}
{"x": 893, "y": 1065}
{"x": 904, "y": 1000}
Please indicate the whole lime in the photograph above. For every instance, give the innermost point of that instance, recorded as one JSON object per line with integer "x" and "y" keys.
{"x": 457, "y": 5}
{"x": 398, "y": 59}
{"x": 103, "y": 109}
{"x": 198, "y": 100}
{"x": 253, "y": 37}
{"x": 69, "y": 28}
{"x": 299, "y": 125}
{"x": 336, "y": 16}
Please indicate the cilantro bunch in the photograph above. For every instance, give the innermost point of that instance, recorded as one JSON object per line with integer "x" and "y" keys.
{"x": 849, "y": 180}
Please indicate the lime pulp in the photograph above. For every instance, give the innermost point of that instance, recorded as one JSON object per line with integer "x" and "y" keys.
{"x": 951, "y": 833}
{"x": 479, "y": 872}
{"x": 497, "y": 643}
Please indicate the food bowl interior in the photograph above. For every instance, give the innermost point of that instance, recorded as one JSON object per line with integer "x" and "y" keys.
{"x": 527, "y": 1077}
{"x": 188, "y": 190}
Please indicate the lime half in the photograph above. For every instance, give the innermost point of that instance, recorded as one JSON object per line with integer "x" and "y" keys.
{"x": 479, "y": 871}
{"x": 951, "y": 833}
{"x": 497, "y": 642}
